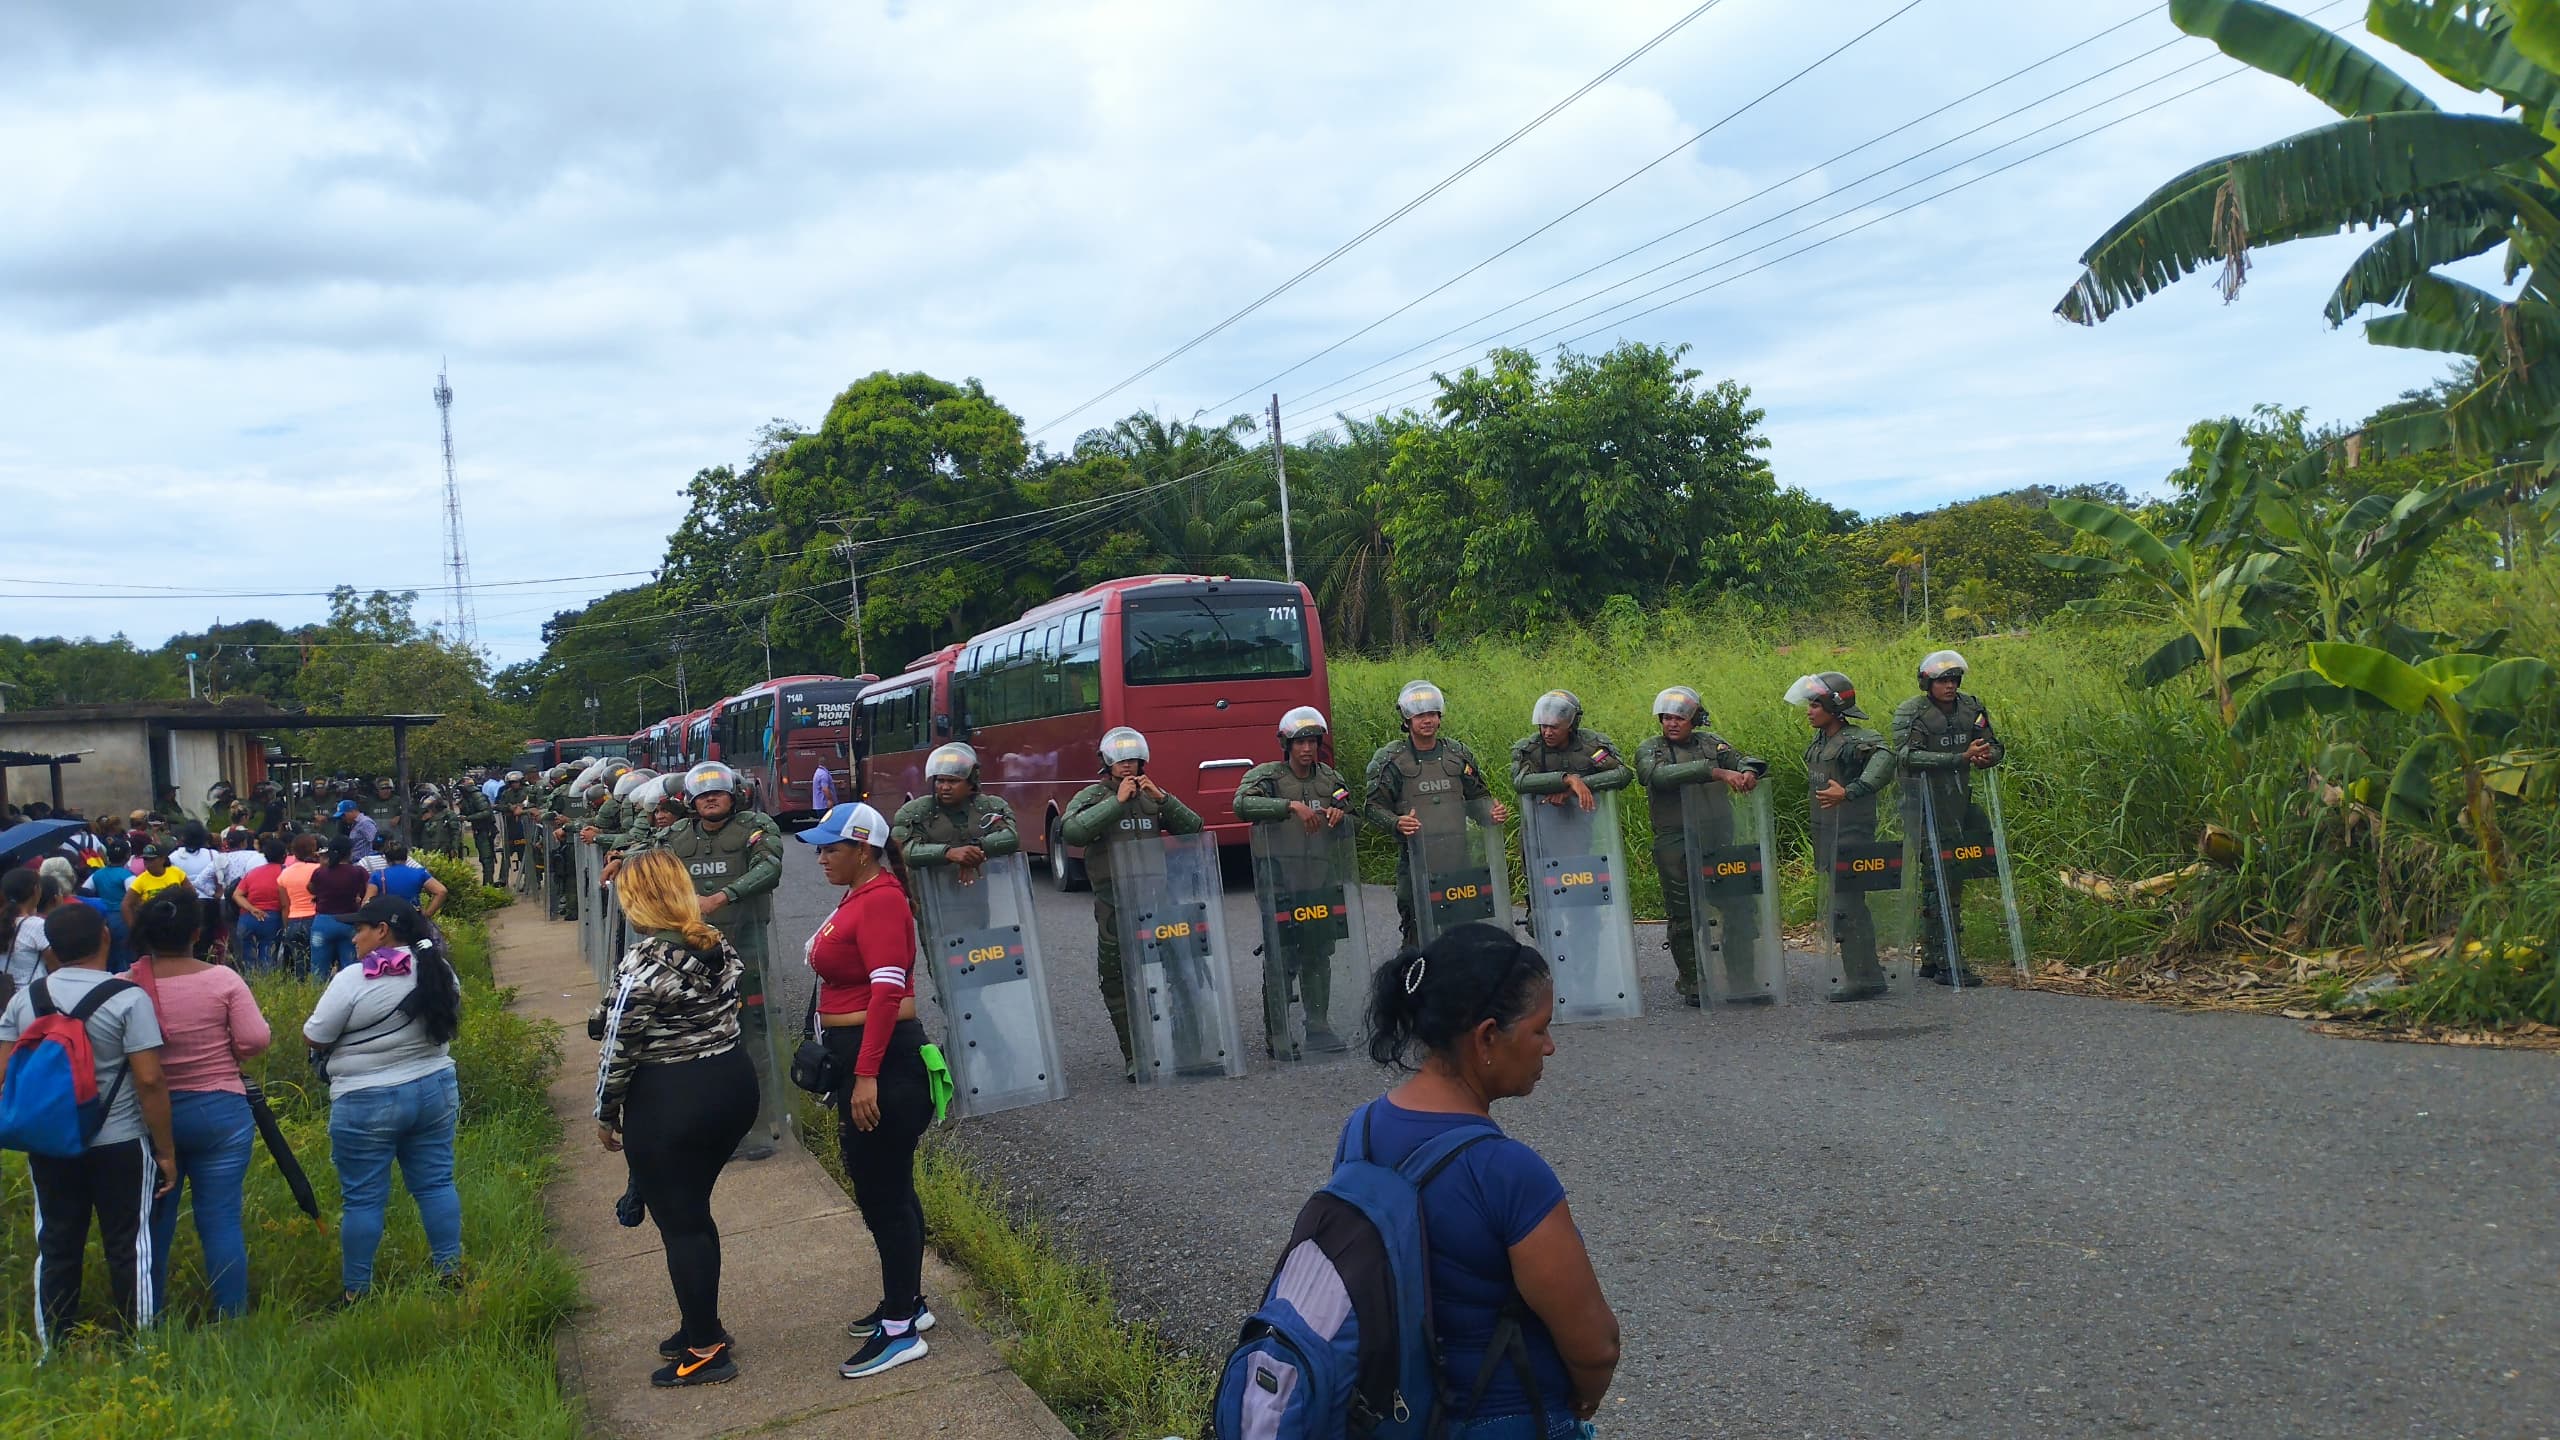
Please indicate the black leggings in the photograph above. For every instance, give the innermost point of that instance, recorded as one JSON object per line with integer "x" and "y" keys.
{"x": 679, "y": 1124}
{"x": 881, "y": 1161}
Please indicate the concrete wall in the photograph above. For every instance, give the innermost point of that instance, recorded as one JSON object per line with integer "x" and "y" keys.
{"x": 116, "y": 777}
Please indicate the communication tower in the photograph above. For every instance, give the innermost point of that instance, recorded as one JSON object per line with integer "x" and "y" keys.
{"x": 457, "y": 559}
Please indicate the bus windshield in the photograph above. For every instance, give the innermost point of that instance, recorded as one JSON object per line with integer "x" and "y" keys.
{"x": 1173, "y": 640}
{"x": 819, "y": 707}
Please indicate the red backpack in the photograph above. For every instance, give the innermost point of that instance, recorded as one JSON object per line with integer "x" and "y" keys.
{"x": 49, "y": 1100}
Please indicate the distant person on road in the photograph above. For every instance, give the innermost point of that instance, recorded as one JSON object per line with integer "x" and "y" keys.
{"x": 1428, "y": 785}
{"x": 1124, "y": 808}
{"x": 864, "y": 956}
{"x": 822, "y": 790}
{"x": 675, "y": 1095}
{"x": 1514, "y": 1299}
{"x": 384, "y": 1031}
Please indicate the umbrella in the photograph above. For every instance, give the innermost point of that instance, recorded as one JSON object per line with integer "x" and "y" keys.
{"x": 277, "y": 1146}
{"x": 35, "y": 837}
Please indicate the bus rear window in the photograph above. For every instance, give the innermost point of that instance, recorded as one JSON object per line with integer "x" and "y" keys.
{"x": 1213, "y": 637}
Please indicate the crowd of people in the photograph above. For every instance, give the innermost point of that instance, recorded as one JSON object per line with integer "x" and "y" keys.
{"x": 143, "y": 931}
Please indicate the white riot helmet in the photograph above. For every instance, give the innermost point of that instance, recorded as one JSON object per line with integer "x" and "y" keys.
{"x": 1556, "y": 707}
{"x": 1419, "y": 697}
{"x": 953, "y": 760}
{"x": 649, "y": 794}
{"x": 1682, "y": 701}
{"x": 1940, "y": 665}
{"x": 623, "y": 787}
{"x": 1122, "y": 743}
{"x": 1306, "y": 722}
{"x": 514, "y": 777}
{"x": 710, "y": 777}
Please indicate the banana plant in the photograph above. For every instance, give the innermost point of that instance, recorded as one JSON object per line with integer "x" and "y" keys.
{"x": 2474, "y": 699}
{"x": 2207, "y": 578}
{"x": 2355, "y": 563}
{"x": 2440, "y": 186}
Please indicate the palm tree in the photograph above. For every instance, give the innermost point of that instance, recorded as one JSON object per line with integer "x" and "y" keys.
{"x": 1342, "y": 530}
{"x": 2441, "y": 186}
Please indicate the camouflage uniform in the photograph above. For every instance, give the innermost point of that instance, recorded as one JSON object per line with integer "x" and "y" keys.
{"x": 1664, "y": 768}
{"x": 483, "y": 820}
{"x": 1399, "y": 773}
{"x": 926, "y": 830}
{"x": 1862, "y": 762}
{"x": 1296, "y": 860}
{"x": 440, "y": 831}
{"x": 1096, "y": 820}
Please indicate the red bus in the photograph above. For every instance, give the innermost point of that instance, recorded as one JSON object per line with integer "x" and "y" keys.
{"x": 1204, "y": 666}
{"x": 777, "y": 733}
{"x": 897, "y": 723}
{"x": 588, "y": 747}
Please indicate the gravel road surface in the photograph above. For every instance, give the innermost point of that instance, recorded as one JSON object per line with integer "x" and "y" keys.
{"x": 1995, "y": 1213}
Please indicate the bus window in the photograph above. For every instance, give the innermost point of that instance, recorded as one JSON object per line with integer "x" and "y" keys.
{"x": 1080, "y": 661}
{"x": 1212, "y": 637}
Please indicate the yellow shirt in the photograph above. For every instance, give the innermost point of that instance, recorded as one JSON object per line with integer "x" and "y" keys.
{"x": 147, "y": 884}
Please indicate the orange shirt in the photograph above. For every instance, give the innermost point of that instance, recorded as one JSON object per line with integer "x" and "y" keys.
{"x": 295, "y": 882}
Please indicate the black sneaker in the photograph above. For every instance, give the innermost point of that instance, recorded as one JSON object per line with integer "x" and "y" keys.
{"x": 694, "y": 1367}
{"x": 672, "y": 1348}
{"x": 869, "y": 1325}
{"x": 883, "y": 1352}
{"x": 1872, "y": 990}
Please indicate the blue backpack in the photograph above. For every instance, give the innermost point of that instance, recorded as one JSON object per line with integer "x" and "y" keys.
{"x": 49, "y": 1100}
{"x": 1343, "y": 1347}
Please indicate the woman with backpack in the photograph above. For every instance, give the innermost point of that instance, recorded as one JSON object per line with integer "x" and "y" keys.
{"x": 1522, "y": 1341}
{"x": 209, "y": 1023}
{"x": 382, "y": 1035}
{"x": 675, "y": 1094}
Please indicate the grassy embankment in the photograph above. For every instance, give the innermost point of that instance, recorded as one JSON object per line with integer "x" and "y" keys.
{"x": 2100, "y": 778}
{"x": 415, "y": 1359}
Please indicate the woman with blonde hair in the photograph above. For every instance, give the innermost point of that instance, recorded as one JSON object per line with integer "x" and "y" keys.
{"x": 676, "y": 1094}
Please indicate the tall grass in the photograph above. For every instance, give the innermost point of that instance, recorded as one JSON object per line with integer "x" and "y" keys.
{"x": 2099, "y": 777}
{"x": 416, "y": 1359}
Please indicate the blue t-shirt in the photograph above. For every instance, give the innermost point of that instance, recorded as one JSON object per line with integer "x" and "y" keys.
{"x": 406, "y": 881}
{"x": 1487, "y": 1201}
{"x": 108, "y": 884}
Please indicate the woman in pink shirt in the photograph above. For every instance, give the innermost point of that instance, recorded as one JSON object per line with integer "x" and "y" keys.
{"x": 209, "y": 1023}
{"x": 293, "y": 882}
{"x": 260, "y": 895}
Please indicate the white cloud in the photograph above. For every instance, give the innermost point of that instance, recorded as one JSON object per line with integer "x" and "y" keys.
{"x": 243, "y": 236}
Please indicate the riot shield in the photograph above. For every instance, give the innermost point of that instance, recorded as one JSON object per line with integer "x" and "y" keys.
{"x": 1859, "y": 865}
{"x": 1731, "y": 851}
{"x": 768, "y": 1039}
{"x": 1957, "y": 837}
{"x": 1455, "y": 870}
{"x": 983, "y": 951}
{"x": 1580, "y": 913}
{"x": 1314, "y": 936}
{"x": 1173, "y": 955}
{"x": 591, "y": 916}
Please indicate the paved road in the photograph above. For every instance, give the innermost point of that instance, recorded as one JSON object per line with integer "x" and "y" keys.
{"x": 1990, "y": 1214}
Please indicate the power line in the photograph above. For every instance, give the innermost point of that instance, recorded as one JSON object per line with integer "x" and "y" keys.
{"x": 91, "y": 589}
{"x": 1586, "y": 203}
{"x": 1408, "y": 207}
{"x": 1869, "y": 143}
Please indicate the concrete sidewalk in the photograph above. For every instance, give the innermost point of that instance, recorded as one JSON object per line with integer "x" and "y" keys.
{"x": 796, "y": 1265}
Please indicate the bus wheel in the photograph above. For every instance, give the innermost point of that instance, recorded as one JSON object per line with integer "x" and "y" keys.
{"x": 1066, "y": 872}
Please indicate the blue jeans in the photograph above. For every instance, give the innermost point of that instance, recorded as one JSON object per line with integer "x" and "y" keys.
{"x": 253, "y": 942}
{"x": 333, "y": 945}
{"x": 368, "y": 1129}
{"x": 214, "y": 1134}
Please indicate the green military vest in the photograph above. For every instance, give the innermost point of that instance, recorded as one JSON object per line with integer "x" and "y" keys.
{"x": 1141, "y": 822}
{"x": 717, "y": 858}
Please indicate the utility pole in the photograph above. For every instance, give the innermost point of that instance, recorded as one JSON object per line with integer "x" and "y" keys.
{"x": 853, "y": 574}
{"x": 1280, "y": 467}
{"x": 767, "y": 628}
{"x": 684, "y": 705}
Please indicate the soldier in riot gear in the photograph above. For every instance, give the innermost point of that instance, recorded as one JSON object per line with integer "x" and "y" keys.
{"x": 481, "y": 817}
{"x": 1125, "y": 807}
{"x": 955, "y": 824}
{"x": 439, "y": 829}
{"x": 1849, "y": 765}
{"x": 1403, "y": 771}
{"x": 1298, "y": 805}
{"x": 509, "y": 805}
{"x": 1563, "y": 761}
{"x": 1686, "y": 753}
{"x": 735, "y": 858}
{"x": 1940, "y": 737}
{"x": 382, "y": 807}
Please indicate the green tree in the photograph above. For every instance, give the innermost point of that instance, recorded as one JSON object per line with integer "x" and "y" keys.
{"x": 372, "y": 657}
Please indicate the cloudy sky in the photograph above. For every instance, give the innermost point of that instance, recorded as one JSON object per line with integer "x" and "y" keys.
{"x": 242, "y": 237}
